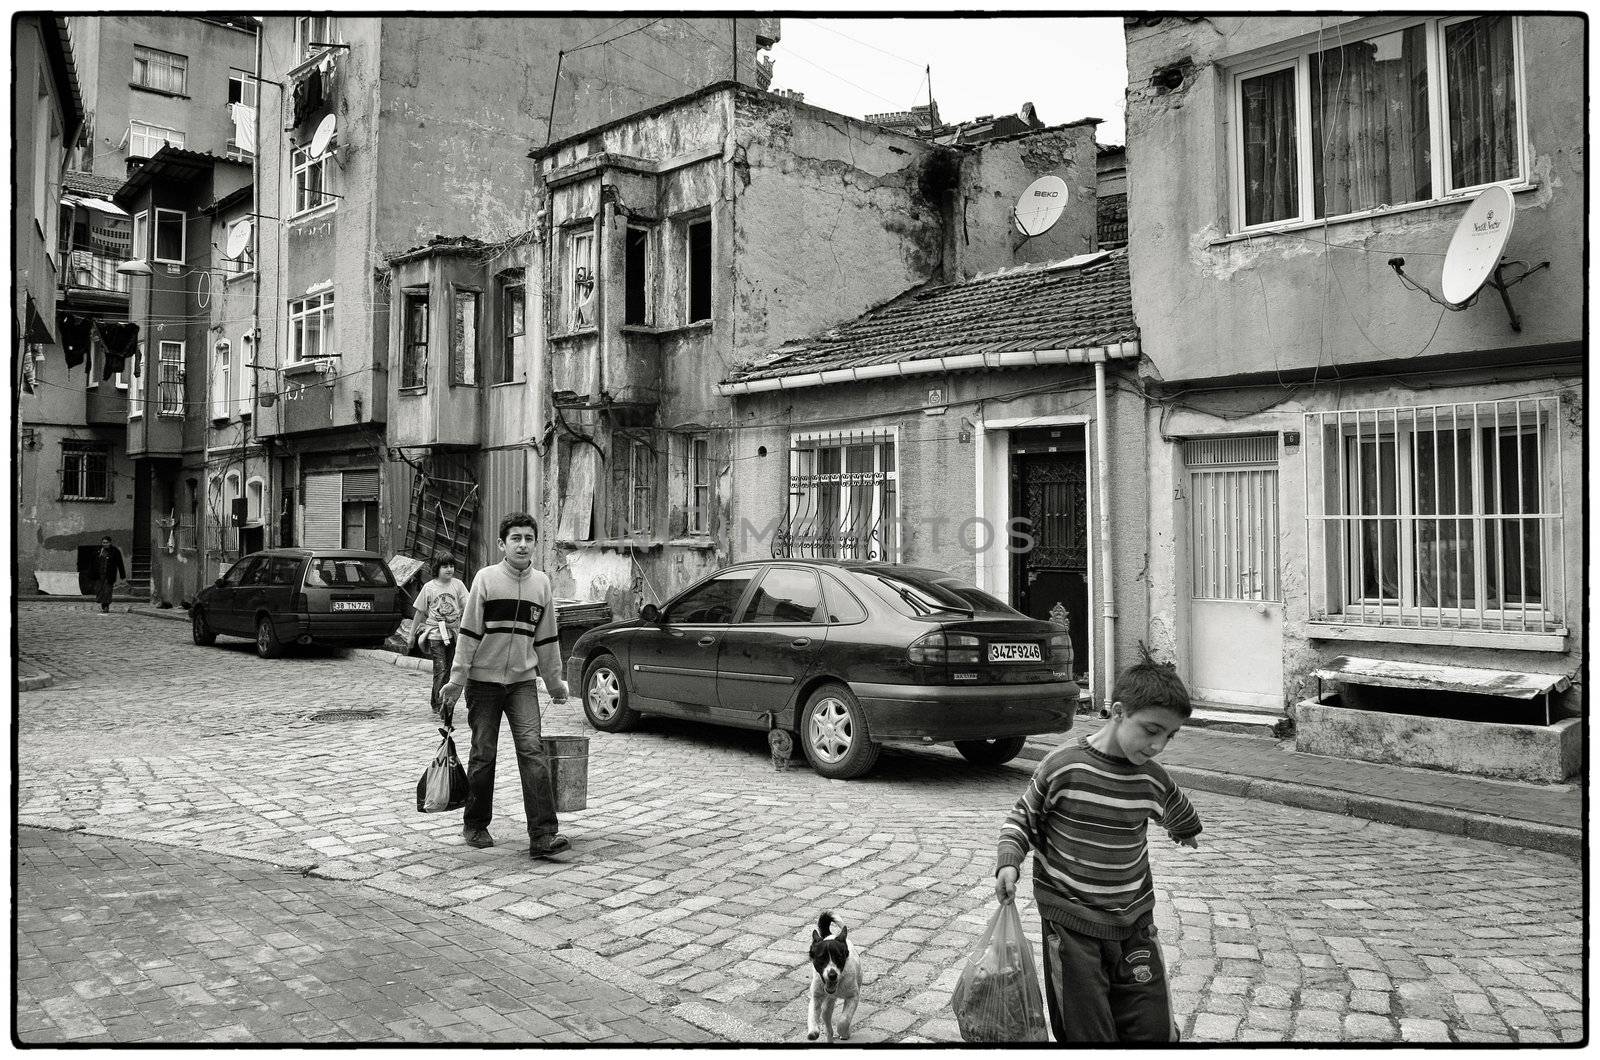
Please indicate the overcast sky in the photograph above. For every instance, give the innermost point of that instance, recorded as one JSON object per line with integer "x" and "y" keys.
{"x": 1067, "y": 67}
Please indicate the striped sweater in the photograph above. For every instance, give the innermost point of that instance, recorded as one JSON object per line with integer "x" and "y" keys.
{"x": 1084, "y": 816}
{"x": 508, "y": 630}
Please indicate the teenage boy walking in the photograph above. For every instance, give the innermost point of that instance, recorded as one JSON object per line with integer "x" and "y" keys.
{"x": 508, "y": 638}
{"x": 1085, "y": 814}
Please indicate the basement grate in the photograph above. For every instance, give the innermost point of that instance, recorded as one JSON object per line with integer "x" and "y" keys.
{"x": 344, "y": 715}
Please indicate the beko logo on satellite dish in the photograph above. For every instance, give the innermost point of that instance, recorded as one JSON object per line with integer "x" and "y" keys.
{"x": 1040, "y": 193}
{"x": 1489, "y": 224}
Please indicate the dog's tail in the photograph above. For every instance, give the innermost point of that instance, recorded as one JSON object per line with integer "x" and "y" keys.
{"x": 825, "y": 924}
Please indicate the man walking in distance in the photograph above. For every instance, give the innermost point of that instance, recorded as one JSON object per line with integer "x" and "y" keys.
{"x": 508, "y": 638}
{"x": 108, "y": 570}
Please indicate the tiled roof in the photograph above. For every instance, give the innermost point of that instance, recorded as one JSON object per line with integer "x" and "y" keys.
{"x": 1082, "y": 303}
{"x": 80, "y": 183}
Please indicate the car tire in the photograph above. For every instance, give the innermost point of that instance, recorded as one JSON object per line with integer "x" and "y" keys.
{"x": 203, "y": 634}
{"x": 605, "y": 697}
{"x": 991, "y": 752}
{"x": 833, "y": 731}
{"x": 268, "y": 646}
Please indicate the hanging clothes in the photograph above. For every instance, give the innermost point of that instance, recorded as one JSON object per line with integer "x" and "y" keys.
{"x": 75, "y": 328}
{"x": 119, "y": 340}
{"x": 244, "y": 125}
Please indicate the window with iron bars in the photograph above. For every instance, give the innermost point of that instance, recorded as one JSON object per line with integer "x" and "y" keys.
{"x": 843, "y": 501}
{"x": 85, "y": 472}
{"x": 1438, "y": 516}
{"x": 170, "y": 381}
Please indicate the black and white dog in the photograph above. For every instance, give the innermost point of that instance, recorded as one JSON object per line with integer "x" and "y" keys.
{"x": 835, "y": 976}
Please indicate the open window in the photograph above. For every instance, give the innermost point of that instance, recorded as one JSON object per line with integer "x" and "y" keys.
{"x": 697, "y": 270}
{"x": 171, "y": 242}
{"x": 512, "y": 316}
{"x": 638, "y": 275}
{"x": 464, "y": 338}
{"x": 578, "y": 302}
{"x": 414, "y": 339}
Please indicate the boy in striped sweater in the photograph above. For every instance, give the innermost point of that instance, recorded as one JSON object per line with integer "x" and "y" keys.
{"x": 1084, "y": 816}
{"x": 508, "y": 639}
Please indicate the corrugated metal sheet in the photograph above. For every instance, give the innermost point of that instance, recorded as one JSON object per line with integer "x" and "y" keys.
{"x": 1512, "y": 683}
{"x": 324, "y": 526}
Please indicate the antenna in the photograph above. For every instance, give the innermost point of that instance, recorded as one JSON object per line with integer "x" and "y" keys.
{"x": 1040, "y": 205}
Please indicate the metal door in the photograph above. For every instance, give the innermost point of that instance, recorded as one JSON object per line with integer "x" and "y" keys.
{"x": 1235, "y": 599}
{"x": 1050, "y": 490}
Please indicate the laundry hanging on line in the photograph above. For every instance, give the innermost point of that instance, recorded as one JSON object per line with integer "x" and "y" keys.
{"x": 119, "y": 340}
{"x": 75, "y": 330}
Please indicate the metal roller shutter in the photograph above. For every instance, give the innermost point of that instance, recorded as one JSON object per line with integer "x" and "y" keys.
{"x": 361, "y": 485}
{"x": 324, "y": 525}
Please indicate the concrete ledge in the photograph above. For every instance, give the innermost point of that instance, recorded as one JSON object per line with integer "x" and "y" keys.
{"x": 176, "y": 614}
{"x": 405, "y": 662}
{"x": 35, "y": 681}
{"x": 1535, "y": 753}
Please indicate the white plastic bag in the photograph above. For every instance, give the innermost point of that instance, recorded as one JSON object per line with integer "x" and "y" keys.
{"x": 997, "y": 998}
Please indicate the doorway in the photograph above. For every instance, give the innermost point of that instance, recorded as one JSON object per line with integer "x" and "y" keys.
{"x": 1050, "y": 492}
{"x": 1235, "y": 596}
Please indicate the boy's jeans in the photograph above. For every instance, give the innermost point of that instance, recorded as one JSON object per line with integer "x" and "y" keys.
{"x": 1104, "y": 990}
{"x": 444, "y": 657}
{"x": 486, "y": 702}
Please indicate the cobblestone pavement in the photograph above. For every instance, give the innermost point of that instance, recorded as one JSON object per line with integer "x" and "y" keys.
{"x": 698, "y": 870}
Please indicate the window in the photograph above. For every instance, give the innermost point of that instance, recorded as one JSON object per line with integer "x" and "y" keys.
{"x": 842, "y": 498}
{"x": 579, "y": 292}
{"x": 348, "y": 574}
{"x": 697, "y": 270}
{"x": 313, "y": 180}
{"x": 241, "y": 388}
{"x": 1440, "y": 516}
{"x": 311, "y": 30}
{"x": 85, "y": 472}
{"x": 222, "y": 383}
{"x": 170, "y": 236}
{"x": 414, "y": 351}
{"x": 513, "y": 322}
{"x": 786, "y": 596}
{"x": 145, "y": 139}
{"x": 169, "y": 380}
{"x": 636, "y": 307}
{"x": 311, "y": 327}
{"x": 697, "y": 484}
{"x": 141, "y": 235}
{"x": 633, "y": 485}
{"x": 253, "y": 494}
{"x": 43, "y": 118}
{"x": 243, "y": 569}
{"x": 1399, "y": 117}
{"x": 464, "y": 339}
{"x": 163, "y": 71}
{"x": 243, "y": 88}
{"x": 843, "y": 607}
{"x": 712, "y": 602}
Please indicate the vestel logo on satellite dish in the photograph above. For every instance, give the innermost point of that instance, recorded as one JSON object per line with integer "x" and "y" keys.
{"x": 1489, "y": 224}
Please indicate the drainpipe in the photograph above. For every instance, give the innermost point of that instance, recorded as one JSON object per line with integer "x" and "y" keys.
{"x": 1108, "y": 610}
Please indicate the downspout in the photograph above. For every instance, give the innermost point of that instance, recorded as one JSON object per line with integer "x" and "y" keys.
{"x": 268, "y": 531}
{"x": 1108, "y": 610}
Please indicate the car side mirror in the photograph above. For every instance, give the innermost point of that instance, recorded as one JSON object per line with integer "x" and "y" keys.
{"x": 651, "y": 613}
{"x": 220, "y": 582}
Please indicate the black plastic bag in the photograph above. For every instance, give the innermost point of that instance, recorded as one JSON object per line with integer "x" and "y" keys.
{"x": 444, "y": 783}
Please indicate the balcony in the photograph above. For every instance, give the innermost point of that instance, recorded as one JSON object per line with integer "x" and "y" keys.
{"x": 90, "y": 270}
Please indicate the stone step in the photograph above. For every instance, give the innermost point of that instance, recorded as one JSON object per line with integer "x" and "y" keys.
{"x": 1227, "y": 717}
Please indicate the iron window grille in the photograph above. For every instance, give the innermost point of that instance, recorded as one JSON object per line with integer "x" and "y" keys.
{"x": 85, "y": 472}
{"x": 1233, "y": 518}
{"x": 1438, "y": 516}
{"x": 843, "y": 501}
{"x": 169, "y": 380}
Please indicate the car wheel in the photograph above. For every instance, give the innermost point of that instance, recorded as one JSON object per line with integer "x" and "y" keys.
{"x": 605, "y": 700}
{"x": 268, "y": 646}
{"x": 834, "y": 732}
{"x": 203, "y": 634}
{"x": 991, "y": 752}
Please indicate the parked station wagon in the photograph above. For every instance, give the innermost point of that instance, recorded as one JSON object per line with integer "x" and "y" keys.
{"x": 338, "y": 597}
{"x": 846, "y": 654}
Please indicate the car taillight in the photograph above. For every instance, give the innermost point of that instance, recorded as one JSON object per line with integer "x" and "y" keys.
{"x": 1061, "y": 652}
{"x": 941, "y": 649}
{"x": 300, "y": 604}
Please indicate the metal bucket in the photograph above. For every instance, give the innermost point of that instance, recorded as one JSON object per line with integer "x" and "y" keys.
{"x": 569, "y": 771}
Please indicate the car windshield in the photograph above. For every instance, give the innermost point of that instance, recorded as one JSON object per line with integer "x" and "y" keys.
{"x": 351, "y": 573}
{"x": 912, "y": 595}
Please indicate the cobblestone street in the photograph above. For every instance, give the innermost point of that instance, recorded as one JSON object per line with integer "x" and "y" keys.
{"x": 200, "y": 861}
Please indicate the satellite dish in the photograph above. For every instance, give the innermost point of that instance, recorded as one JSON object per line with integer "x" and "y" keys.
{"x": 1040, "y": 206}
{"x": 1475, "y": 248}
{"x": 323, "y": 136}
{"x": 238, "y": 238}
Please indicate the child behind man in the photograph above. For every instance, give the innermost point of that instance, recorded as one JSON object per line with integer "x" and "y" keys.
{"x": 1084, "y": 814}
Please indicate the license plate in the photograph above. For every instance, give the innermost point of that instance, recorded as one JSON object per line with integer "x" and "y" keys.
{"x": 352, "y": 605}
{"x": 1015, "y": 653}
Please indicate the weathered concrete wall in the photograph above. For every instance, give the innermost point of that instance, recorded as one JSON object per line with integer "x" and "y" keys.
{"x": 1208, "y": 305}
{"x": 981, "y": 232}
{"x": 1537, "y": 753}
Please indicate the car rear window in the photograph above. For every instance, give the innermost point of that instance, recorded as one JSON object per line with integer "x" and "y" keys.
{"x": 348, "y": 574}
{"x": 914, "y": 596}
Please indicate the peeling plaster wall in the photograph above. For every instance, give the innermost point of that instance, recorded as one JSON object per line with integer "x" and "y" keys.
{"x": 993, "y": 177}
{"x": 1326, "y": 295}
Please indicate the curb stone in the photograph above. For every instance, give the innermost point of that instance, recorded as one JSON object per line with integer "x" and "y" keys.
{"x": 1504, "y": 830}
{"x": 34, "y": 682}
{"x": 374, "y": 654}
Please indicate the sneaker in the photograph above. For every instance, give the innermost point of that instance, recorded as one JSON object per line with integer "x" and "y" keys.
{"x": 477, "y": 837}
{"x": 546, "y": 846}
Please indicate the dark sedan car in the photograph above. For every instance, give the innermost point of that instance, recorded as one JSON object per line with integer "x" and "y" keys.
{"x": 845, "y": 654}
{"x": 338, "y": 597}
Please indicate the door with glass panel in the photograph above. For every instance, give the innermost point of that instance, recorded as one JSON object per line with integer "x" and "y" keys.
{"x": 1235, "y": 597}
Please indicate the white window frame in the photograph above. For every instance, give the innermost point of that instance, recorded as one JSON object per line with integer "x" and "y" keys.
{"x": 143, "y": 55}
{"x": 1438, "y": 118}
{"x": 169, "y": 352}
{"x": 321, "y": 29}
{"x": 221, "y": 385}
{"x": 241, "y": 391}
{"x": 633, "y": 499}
{"x": 183, "y": 237}
{"x": 803, "y": 496}
{"x": 249, "y": 90}
{"x": 302, "y": 166}
{"x": 142, "y": 134}
{"x": 697, "y": 458}
{"x": 579, "y": 261}
{"x": 141, "y": 236}
{"x": 1334, "y": 559}
{"x": 255, "y": 498}
{"x": 301, "y": 310}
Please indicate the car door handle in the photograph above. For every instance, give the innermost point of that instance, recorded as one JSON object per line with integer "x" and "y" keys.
{"x": 706, "y": 641}
{"x": 800, "y": 642}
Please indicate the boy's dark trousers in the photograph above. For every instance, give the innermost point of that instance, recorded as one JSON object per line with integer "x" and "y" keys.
{"x": 487, "y": 703}
{"x": 444, "y": 657}
{"x": 1105, "y": 990}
